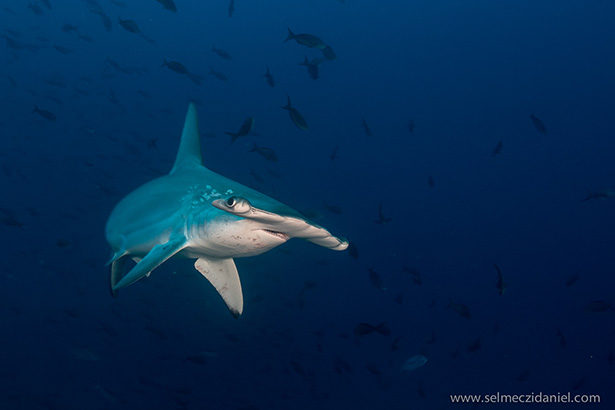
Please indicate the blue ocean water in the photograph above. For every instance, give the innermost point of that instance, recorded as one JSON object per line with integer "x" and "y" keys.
{"x": 465, "y": 149}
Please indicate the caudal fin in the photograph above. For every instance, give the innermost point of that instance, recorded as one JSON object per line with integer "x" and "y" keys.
{"x": 290, "y": 36}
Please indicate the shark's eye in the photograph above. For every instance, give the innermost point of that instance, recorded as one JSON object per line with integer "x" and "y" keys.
{"x": 231, "y": 201}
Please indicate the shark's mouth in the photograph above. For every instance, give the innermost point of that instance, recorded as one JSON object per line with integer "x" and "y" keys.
{"x": 277, "y": 234}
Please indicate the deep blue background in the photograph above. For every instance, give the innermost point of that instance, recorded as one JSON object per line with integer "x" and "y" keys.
{"x": 469, "y": 74}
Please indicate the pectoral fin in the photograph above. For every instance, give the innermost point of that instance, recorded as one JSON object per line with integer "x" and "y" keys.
{"x": 157, "y": 256}
{"x": 222, "y": 274}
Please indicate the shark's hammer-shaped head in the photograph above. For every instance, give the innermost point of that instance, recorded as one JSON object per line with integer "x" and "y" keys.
{"x": 274, "y": 229}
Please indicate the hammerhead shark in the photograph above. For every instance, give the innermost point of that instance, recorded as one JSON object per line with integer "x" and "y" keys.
{"x": 194, "y": 212}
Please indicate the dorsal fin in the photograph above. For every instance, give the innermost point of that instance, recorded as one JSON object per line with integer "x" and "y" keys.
{"x": 189, "y": 153}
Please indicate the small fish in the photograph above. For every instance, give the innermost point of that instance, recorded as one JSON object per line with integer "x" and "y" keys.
{"x": 461, "y": 309}
{"x": 333, "y": 154}
{"x": 353, "y": 251}
{"x": 220, "y": 76}
{"x": 7, "y": 218}
{"x": 179, "y": 68}
{"x": 269, "y": 78}
{"x": 432, "y": 338}
{"x": 36, "y": 9}
{"x": 67, "y": 28}
{"x": 312, "y": 67}
{"x": 411, "y": 126}
{"x": 381, "y": 218}
{"x": 598, "y": 306}
{"x": 500, "y": 285}
{"x": 334, "y": 209}
{"x": 168, "y": 5}
{"x": 341, "y": 366}
{"x": 265, "y": 152}
{"x": 231, "y": 8}
{"x": 604, "y": 194}
{"x": 395, "y": 344}
{"x": 416, "y": 275}
{"x": 373, "y": 369}
{"x": 363, "y": 329}
{"x": 497, "y": 150}
{"x": 256, "y": 176}
{"x": 474, "y": 346}
{"x": 295, "y": 116}
{"x": 62, "y": 50}
{"x": 221, "y": 53}
{"x": 431, "y": 182}
{"x": 572, "y": 280}
{"x": 48, "y": 115}
{"x": 47, "y": 4}
{"x": 328, "y": 53}
{"x": 414, "y": 363}
{"x": 368, "y": 131}
{"x": 375, "y": 279}
{"x": 538, "y": 124}
{"x": 307, "y": 40}
{"x": 130, "y": 26}
{"x": 562, "y": 339}
{"x": 523, "y": 376}
{"x": 244, "y": 130}
{"x": 578, "y": 384}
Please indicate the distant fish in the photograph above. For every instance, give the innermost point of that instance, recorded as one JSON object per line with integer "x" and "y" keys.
{"x": 366, "y": 128}
{"x": 168, "y": 5}
{"x": 523, "y": 376}
{"x": 130, "y": 26}
{"x": 538, "y": 124}
{"x": 381, "y": 218}
{"x": 334, "y": 209}
{"x": 572, "y": 280}
{"x": 411, "y": 126}
{"x": 474, "y": 346}
{"x": 265, "y": 152}
{"x": 498, "y": 149}
{"x": 62, "y": 50}
{"x": 221, "y": 53}
{"x": 328, "y": 53}
{"x": 312, "y": 67}
{"x": 562, "y": 339}
{"x": 295, "y": 116}
{"x": 269, "y": 78}
{"x": 333, "y": 154}
{"x": 500, "y": 285}
{"x": 8, "y": 218}
{"x": 431, "y": 182}
{"x": 414, "y": 363}
{"x": 307, "y": 40}
{"x": 375, "y": 279}
{"x": 48, "y": 115}
{"x": 461, "y": 309}
{"x": 245, "y": 129}
{"x": 179, "y": 68}
{"x": 67, "y": 28}
{"x": 363, "y": 329}
{"x": 604, "y": 194}
{"x": 353, "y": 251}
{"x": 220, "y": 76}
{"x": 36, "y": 9}
{"x": 231, "y": 8}
{"x": 598, "y": 306}
{"x": 47, "y": 4}
{"x": 395, "y": 343}
{"x": 416, "y": 275}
